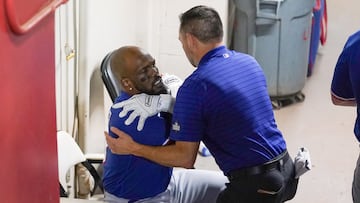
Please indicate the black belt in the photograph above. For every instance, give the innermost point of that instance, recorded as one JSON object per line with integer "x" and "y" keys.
{"x": 254, "y": 170}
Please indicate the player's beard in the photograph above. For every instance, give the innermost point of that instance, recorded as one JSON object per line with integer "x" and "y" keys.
{"x": 155, "y": 90}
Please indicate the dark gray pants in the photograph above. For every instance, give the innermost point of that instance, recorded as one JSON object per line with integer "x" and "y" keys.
{"x": 356, "y": 183}
{"x": 273, "y": 186}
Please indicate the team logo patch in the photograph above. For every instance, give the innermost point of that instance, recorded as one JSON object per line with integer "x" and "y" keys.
{"x": 176, "y": 126}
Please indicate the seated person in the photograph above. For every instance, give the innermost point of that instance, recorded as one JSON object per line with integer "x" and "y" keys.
{"x": 128, "y": 178}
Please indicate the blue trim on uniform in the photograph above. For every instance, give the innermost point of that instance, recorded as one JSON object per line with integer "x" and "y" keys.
{"x": 132, "y": 177}
{"x": 346, "y": 80}
{"x": 225, "y": 103}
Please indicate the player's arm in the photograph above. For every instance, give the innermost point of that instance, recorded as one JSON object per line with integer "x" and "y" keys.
{"x": 178, "y": 154}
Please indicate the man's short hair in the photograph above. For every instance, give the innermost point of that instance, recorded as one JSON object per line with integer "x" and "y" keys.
{"x": 203, "y": 22}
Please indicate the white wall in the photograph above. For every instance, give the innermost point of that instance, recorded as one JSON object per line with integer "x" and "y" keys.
{"x": 103, "y": 26}
{"x": 65, "y": 67}
{"x": 170, "y": 56}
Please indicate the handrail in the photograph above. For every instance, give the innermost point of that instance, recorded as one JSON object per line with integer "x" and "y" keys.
{"x": 21, "y": 29}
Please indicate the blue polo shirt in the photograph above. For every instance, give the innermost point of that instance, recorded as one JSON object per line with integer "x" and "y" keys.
{"x": 132, "y": 177}
{"x": 225, "y": 103}
{"x": 346, "y": 79}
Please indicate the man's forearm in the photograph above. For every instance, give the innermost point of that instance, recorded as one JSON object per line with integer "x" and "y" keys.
{"x": 179, "y": 154}
{"x": 176, "y": 154}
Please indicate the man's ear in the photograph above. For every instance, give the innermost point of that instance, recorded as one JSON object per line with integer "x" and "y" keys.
{"x": 127, "y": 84}
{"x": 190, "y": 40}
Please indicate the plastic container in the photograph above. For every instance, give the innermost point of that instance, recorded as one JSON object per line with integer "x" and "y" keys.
{"x": 277, "y": 33}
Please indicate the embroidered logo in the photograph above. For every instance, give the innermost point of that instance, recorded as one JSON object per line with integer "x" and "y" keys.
{"x": 148, "y": 100}
{"x": 176, "y": 126}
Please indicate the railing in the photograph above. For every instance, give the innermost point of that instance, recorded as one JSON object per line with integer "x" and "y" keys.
{"x": 21, "y": 29}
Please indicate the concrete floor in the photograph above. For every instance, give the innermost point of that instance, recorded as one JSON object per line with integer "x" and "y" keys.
{"x": 326, "y": 130}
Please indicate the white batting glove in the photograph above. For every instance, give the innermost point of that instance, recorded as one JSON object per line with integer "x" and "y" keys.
{"x": 172, "y": 82}
{"x": 302, "y": 162}
{"x": 144, "y": 106}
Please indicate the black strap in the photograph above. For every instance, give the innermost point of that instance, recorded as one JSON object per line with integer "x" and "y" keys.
{"x": 95, "y": 175}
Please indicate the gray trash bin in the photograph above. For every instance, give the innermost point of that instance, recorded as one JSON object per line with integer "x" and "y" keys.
{"x": 277, "y": 33}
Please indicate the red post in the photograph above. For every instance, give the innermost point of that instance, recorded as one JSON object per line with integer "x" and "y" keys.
{"x": 28, "y": 149}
